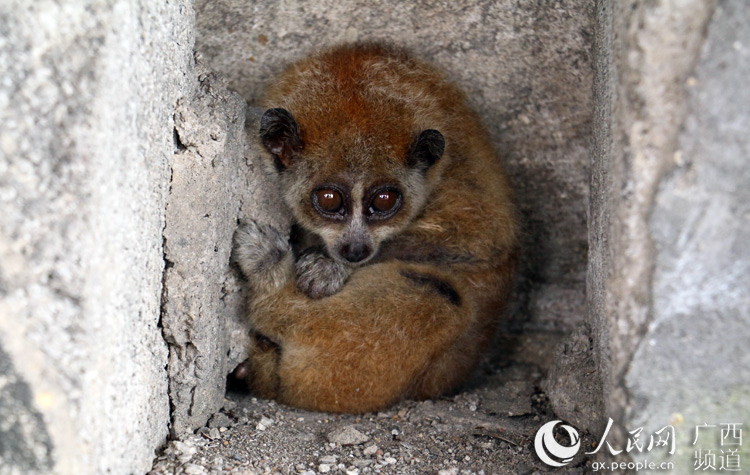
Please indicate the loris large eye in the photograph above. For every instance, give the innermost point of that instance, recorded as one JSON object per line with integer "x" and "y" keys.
{"x": 384, "y": 203}
{"x": 328, "y": 201}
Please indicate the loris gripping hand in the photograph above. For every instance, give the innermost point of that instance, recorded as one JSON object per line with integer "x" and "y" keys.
{"x": 264, "y": 255}
{"x": 319, "y": 275}
{"x": 388, "y": 171}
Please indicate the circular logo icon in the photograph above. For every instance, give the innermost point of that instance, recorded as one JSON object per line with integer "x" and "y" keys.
{"x": 547, "y": 447}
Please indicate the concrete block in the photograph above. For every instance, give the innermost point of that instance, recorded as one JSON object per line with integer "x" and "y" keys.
{"x": 691, "y": 364}
{"x": 643, "y": 57}
{"x": 668, "y": 285}
{"x": 87, "y": 97}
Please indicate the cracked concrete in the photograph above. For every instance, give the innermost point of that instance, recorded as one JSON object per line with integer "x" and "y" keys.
{"x": 667, "y": 272}
{"x": 691, "y": 365}
{"x": 201, "y": 300}
{"x": 215, "y": 182}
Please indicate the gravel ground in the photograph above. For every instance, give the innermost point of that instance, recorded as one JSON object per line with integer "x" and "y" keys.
{"x": 488, "y": 427}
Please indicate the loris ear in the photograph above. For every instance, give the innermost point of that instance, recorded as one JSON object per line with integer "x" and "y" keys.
{"x": 426, "y": 149}
{"x": 279, "y": 133}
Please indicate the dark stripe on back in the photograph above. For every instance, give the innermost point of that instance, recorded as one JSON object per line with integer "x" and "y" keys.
{"x": 442, "y": 287}
{"x": 406, "y": 251}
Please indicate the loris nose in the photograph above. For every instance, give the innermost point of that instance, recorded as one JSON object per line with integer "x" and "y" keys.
{"x": 355, "y": 252}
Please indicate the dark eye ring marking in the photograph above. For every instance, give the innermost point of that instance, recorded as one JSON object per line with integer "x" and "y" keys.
{"x": 329, "y": 201}
{"x": 384, "y": 203}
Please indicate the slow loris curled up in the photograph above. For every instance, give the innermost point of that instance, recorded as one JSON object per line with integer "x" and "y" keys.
{"x": 384, "y": 166}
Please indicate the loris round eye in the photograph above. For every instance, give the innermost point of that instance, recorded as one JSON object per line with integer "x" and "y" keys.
{"x": 385, "y": 202}
{"x": 328, "y": 200}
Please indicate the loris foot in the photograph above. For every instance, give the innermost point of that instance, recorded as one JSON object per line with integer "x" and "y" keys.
{"x": 264, "y": 255}
{"x": 318, "y": 275}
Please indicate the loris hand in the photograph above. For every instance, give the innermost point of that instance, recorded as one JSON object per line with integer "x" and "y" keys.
{"x": 318, "y": 275}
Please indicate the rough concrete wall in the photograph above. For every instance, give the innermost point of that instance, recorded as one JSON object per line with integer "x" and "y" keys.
{"x": 692, "y": 364}
{"x": 215, "y": 180}
{"x": 646, "y": 56}
{"x": 86, "y": 103}
{"x": 668, "y": 276}
{"x": 526, "y": 69}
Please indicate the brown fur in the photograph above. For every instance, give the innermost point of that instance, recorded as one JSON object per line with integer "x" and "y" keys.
{"x": 413, "y": 320}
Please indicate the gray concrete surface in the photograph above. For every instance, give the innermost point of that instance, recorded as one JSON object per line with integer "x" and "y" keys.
{"x": 200, "y": 300}
{"x": 668, "y": 285}
{"x": 692, "y": 364}
{"x": 644, "y": 57}
{"x": 25, "y": 443}
{"x": 87, "y": 97}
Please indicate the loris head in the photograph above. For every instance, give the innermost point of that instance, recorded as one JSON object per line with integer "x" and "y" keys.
{"x": 351, "y": 186}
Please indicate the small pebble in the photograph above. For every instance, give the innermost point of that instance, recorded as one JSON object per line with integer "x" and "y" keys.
{"x": 328, "y": 459}
{"x": 193, "y": 469}
{"x": 219, "y": 420}
{"x": 370, "y": 450}
{"x": 347, "y": 435}
{"x": 324, "y": 468}
{"x": 185, "y": 447}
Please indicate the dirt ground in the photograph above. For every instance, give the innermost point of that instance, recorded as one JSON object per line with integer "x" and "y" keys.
{"x": 488, "y": 428}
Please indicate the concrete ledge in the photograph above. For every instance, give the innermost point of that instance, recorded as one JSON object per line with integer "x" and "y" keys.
{"x": 202, "y": 299}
